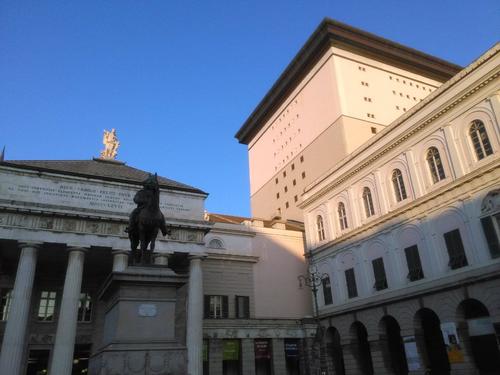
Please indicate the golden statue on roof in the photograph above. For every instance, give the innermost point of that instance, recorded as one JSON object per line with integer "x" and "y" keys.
{"x": 111, "y": 145}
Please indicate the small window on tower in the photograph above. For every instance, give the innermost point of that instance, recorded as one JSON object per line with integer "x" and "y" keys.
{"x": 374, "y": 130}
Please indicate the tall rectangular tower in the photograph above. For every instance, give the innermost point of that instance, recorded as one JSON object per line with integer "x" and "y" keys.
{"x": 342, "y": 87}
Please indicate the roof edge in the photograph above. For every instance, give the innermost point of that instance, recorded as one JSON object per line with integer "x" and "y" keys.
{"x": 12, "y": 164}
{"x": 334, "y": 33}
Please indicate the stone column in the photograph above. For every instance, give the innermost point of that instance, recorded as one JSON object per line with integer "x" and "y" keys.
{"x": 13, "y": 345}
{"x": 120, "y": 260}
{"x": 279, "y": 360}
{"x": 215, "y": 357}
{"x": 247, "y": 357}
{"x": 194, "y": 334}
{"x": 62, "y": 356}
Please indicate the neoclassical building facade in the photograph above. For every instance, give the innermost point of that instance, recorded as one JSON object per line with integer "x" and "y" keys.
{"x": 405, "y": 233}
{"x": 221, "y": 298}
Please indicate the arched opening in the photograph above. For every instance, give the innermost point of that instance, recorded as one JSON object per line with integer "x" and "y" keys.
{"x": 335, "y": 356}
{"x": 395, "y": 351}
{"x": 482, "y": 338}
{"x": 362, "y": 348}
{"x": 433, "y": 344}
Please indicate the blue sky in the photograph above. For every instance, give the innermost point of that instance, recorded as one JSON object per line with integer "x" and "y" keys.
{"x": 178, "y": 78}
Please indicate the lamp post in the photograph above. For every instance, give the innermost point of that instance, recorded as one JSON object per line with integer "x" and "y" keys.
{"x": 313, "y": 280}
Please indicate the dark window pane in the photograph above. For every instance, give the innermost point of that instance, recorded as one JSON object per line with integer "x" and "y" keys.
{"x": 455, "y": 249}
{"x": 488, "y": 224}
{"x": 327, "y": 291}
{"x": 415, "y": 271}
{"x": 379, "y": 273}
{"x": 352, "y": 290}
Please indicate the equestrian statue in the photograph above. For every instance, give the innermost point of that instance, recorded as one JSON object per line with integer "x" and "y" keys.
{"x": 145, "y": 221}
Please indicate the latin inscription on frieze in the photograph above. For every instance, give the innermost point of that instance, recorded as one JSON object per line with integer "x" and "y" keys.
{"x": 89, "y": 196}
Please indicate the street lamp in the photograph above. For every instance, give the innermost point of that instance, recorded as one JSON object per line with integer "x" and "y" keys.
{"x": 313, "y": 280}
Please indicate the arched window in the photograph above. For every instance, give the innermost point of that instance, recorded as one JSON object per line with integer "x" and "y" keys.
{"x": 342, "y": 216}
{"x": 320, "y": 227}
{"x": 480, "y": 139}
{"x": 435, "y": 165}
{"x": 399, "y": 185}
{"x": 368, "y": 202}
{"x": 215, "y": 243}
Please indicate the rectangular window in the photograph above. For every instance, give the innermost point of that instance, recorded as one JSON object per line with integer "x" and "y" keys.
{"x": 379, "y": 273}
{"x": 415, "y": 270}
{"x": 276, "y": 180}
{"x": 85, "y": 308}
{"x": 491, "y": 229}
{"x": 284, "y": 173}
{"x": 6, "y": 298}
{"x": 350, "y": 279}
{"x": 302, "y": 159}
{"x": 277, "y": 195}
{"x": 242, "y": 304}
{"x": 285, "y": 189}
{"x": 287, "y": 205}
{"x": 216, "y": 307}
{"x": 327, "y": 290}
{"x": 303, "y": 174}
{"x": 293, "y": 166}
{"x": 47, "y": 306}
{"x": 295, "y": 198}
{"x": 294, "y": 182}
{"x": 455, "y": 249}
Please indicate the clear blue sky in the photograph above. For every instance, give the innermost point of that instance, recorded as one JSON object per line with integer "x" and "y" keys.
{"x": 178, "y": 78}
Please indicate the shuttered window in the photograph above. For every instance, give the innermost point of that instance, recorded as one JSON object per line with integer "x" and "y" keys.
{"x": 415, "y": 270}
{"x": 327, "y": 290}
{"x": 491, "y": 229}
{"x": 379, "y": 273}
{"x": 455, "y": 249}
{"x": 350, "y": 279}
{"x": 242, "y": 306}
{"x": 216, "y": 307}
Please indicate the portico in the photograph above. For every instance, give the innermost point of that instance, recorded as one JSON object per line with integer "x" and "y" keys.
{"x": 60, "y": 256}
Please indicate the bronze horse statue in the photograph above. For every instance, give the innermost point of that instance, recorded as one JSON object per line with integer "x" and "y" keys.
{"x": 145, "y": 221}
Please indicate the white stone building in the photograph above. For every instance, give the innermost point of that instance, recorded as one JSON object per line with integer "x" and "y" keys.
{"x": 405, "y": 232}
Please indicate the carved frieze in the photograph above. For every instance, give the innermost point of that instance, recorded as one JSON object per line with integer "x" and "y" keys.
{"x": 86, "y": 226}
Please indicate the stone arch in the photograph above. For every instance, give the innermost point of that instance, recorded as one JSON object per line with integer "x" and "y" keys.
{"x": 476, "y": 334}
{"x": 334, "y": 352}
{"x": 430, "y": 341}
{"x": 360, "y": 347}
{"x": 393, "y": 351}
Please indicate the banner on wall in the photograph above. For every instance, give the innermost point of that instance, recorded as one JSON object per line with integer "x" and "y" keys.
{"x": 480, "y": 326}
{"x": 292, "y": 348}
{"x": 412, "y": 356}
{"x": 262, "y": 349}
{"x": 231, "y": 350}
{"x": 452, "y": 342}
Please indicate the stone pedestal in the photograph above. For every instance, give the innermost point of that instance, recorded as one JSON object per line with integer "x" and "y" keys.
{"x": 144, "y": 325}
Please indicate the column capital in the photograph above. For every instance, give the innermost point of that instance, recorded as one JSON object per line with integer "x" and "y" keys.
{"x": 33, "y": 244}
{"x": 71, "y": 248}
{"x": 196, "y": 257}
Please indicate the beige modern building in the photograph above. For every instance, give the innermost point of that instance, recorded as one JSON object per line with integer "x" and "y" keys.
{"x": 343, "y": 87}
{"x": 405, "y": 234}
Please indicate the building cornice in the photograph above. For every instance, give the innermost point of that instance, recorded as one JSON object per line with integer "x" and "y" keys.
{"x": 333, "y": 33}
{"x": 418, "y": 127}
